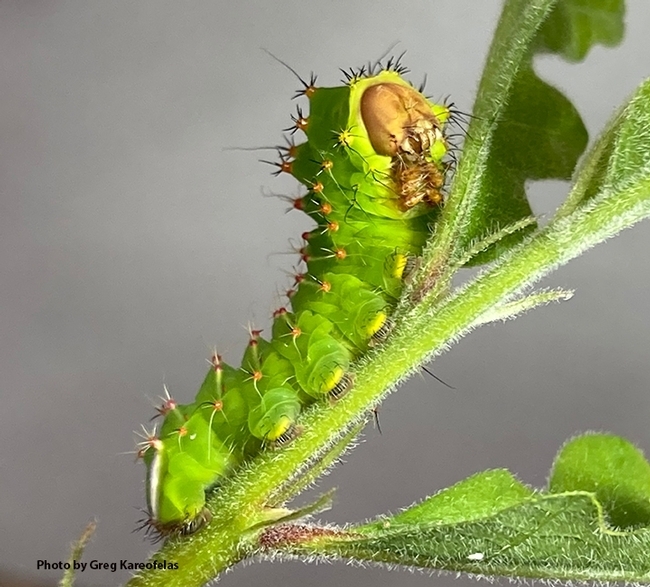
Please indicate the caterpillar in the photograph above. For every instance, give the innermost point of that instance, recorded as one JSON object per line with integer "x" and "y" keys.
{"x": 373, "y": 166}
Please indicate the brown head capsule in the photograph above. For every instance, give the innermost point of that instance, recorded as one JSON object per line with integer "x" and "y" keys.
{"x": 398, "y": 119}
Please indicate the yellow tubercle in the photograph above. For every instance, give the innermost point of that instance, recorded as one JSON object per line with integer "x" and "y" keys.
{"x": 376, "y": 324}
{"x": 332, "y": 380}
{"x": 282, "y": 426}
{"x": 395, "y": 265}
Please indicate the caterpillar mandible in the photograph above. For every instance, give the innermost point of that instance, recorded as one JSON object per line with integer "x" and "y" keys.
{"x": 373, "y": 165}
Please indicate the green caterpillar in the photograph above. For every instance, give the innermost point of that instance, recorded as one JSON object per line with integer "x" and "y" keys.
{"x": 374, "y": 166}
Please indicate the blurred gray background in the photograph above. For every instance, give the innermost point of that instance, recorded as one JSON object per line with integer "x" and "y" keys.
{"x": 132, "y": 240}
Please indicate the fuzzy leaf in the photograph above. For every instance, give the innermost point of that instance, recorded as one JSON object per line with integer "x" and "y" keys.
{"x": 541, "y": 136}
{"x": 490, "y": 524}
{"x": 479, "y": 496}
{"x": 576, "y": 25}
{"x": 614, "y": 470}
{"x": 523, "y": 127}
{"x": 619, "y": 163}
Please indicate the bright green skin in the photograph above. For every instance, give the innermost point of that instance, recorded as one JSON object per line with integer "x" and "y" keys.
{"x": 236, "y": 413}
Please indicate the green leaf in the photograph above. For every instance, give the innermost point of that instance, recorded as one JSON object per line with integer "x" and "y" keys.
{"x": 618, "y": 165}
{"x": 490, "y": 524}
{"x": 525, "y": 303}
{"x": 541, "y": 136}
{"x": 280, "y": 516}
{"x": 479, "y": 496}
{"x": 577, "y": 25}
{"x": 620, "y": 159}
{"x": 614, "y": 470}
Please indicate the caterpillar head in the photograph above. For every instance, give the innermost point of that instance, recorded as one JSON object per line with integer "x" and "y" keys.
{"x": 399, "y": 120}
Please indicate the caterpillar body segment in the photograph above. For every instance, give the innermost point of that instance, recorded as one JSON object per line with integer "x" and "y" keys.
{"x": 178, "y": 470}
{"x": 373, "y": 169}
